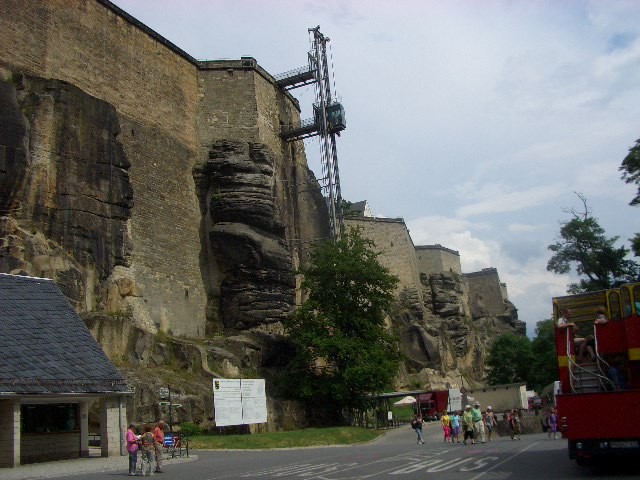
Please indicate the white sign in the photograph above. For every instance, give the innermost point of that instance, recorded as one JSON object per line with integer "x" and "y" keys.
{"x": 455, "y": 400}
{"x": 239, "y": 401}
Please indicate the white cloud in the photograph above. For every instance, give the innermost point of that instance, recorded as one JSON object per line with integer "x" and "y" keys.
{"x": 497, "y": 198}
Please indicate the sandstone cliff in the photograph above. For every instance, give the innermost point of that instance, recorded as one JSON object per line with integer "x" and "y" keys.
{"x": 446, "y": 341}
{"x": 65, "y": 213}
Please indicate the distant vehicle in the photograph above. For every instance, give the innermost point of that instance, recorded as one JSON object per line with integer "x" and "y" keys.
{"x": 597, "y": 398}
{"x": 431, "y": 404}
{"x": 535, "y": 403}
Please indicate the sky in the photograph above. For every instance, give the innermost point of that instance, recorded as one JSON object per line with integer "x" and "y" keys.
{"x": 475, "y": 121}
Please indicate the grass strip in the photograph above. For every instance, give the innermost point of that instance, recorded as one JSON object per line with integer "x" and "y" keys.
{"x": 309, "y": 437}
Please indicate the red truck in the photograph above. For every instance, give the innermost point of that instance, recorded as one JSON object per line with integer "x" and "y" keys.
{"x": 431, "y": 404}
{"x": 599, "y": 395}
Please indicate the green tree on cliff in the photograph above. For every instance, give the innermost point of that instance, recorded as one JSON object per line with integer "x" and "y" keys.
{"x": 584, "y": 245}
{"x": 343, "y": 349}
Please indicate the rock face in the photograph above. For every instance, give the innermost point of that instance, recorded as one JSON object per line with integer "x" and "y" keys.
{"x": 65, "y": 196}
{"x": 65, "y": 210}
{"x": 443, "y": 340}
{"x": 246, "y": 241}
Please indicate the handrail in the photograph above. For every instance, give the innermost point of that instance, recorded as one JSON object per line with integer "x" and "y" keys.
{"x": 575, "y": 366}
{"x": 570, "y": 362}
{"x": 599, "y": 362}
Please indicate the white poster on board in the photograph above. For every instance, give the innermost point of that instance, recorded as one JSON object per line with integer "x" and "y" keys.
{"x": 455, "y": 400}
{"x": 239, "y": 401}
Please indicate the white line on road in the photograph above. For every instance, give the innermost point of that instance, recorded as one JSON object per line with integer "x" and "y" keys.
{"x": 504, "y": 461}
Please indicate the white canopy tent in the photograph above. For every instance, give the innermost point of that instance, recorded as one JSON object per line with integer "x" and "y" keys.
{"x": 406, "y": 401}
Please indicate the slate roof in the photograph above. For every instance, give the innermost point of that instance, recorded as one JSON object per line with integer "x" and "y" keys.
{"x": 45, "y": 347}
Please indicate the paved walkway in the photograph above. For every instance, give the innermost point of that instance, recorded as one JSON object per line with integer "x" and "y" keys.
{"x": 92, "y": 464}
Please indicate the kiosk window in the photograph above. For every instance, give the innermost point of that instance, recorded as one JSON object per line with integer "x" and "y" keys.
{"x": 54, "y": 417}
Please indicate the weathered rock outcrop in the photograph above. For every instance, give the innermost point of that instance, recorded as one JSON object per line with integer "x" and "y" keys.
{"x": 246, "y": 241}
{"x": 65, "y": 195}
{"x": 65, "y": 212}
{"x": 446, "y": 342}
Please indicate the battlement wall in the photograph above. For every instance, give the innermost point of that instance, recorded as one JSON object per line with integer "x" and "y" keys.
{"x": 171, "y": 109}
{"x": 436, "y": 259}
{"x": 391, "y": 238}
{"x": 485, "y": 290}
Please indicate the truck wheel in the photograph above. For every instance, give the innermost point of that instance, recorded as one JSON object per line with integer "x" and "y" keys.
{"x": 583, "y": 461}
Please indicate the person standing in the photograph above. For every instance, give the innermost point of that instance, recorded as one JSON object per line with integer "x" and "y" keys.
{"x": 552, "y": 423}
{"x": 514, "y": 422}
{"x": 416, "y": 424}
{"x": 455, "y": 427}
{"x": 445, "y": 419}
{"x": 148, "y": 450}
{"x": 490, "y": 422}
{"x": 158, "y": 435}
{"x": 467, "y": 425}
{"x": 478, "y": 424}
{"x": 132, "y": 448}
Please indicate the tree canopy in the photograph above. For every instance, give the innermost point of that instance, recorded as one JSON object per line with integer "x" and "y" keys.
{"x": 516, "y": 359}
{"x": 509, "y": 360}
{"x": 544, "y": 366}
{"x": 584, "y": 245}
{"x": 631, "y": 174}
{"x": 344, "y": 352}
{"x": 631, "y": 170}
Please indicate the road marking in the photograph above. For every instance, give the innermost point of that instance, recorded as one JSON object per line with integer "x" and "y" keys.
{"x": 504, "y": 461}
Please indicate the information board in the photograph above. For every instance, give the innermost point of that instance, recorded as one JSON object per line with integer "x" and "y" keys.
{"x": 455, "y": 400}
{"x": 239, "y": 401}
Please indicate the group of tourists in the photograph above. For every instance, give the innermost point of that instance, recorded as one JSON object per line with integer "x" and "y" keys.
{"x": 474, "y": 425}
{"x": 145, "y": 450}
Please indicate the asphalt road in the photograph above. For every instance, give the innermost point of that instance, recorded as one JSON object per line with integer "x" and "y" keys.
{"x": 395, "y": 455}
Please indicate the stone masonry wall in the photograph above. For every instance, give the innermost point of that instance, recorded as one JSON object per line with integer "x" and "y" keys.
{"x": 239, "y": 102}
{"x": 436, "y": 259}
{"x": 485, "y": 289}
{"x": 392, "y": 239}
{"x": 154, "y": 88}
{"x": 9, "y": 417}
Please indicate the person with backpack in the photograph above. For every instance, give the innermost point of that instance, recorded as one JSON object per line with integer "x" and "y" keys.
{"x": 416, "y": 424}
{"x": 148, "y": 443}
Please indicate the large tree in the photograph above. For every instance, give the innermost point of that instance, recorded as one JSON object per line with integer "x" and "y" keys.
{"x": 544, "y": 366}
{"x": 344, "y": 352}
{"x": 584, "y": 245}
{"x": 509, "y": 360}
{"x": 631, "y": 174}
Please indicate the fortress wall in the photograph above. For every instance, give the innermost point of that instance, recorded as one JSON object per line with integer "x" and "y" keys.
{"x": 398, "y": 253}
{"x": 504, "y": 292}
{"x": 486, "y": 285}
{"x": 436, "y": 259}
{"x": 154, "y": 88}
{"x": 239, "y": 101}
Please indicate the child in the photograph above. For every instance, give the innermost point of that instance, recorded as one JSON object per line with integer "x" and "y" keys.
{"x": 514, "y": 423}
{"x": 446, "y": 426}
{"x": 552, "y": 422}
{"x": 455, "y": 427}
